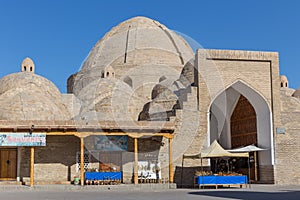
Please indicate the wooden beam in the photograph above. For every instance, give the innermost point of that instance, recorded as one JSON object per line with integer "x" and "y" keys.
{"x": 130, "y": 134}
{"x": 136, "y": 181}
{"x": 82, "y": 161}
{"x": 171, "y": 173}
{"x": 62, "y": 133}
{"x": 31, "y": 166}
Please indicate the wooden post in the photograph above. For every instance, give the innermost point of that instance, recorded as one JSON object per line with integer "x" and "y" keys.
{"x": 171, "y": 176}
{"x": 31, "y": 166}
{"x": 136, "y": 181}
{"x": 82, "y": 161}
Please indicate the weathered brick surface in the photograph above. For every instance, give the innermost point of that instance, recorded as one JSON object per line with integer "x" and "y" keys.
{"x": 55, "y": 162}
{"x": 288, "y": 144}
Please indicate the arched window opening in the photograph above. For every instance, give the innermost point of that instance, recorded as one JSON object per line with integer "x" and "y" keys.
{"x": 128, "y": 81}
{"x": 162, "y": 78}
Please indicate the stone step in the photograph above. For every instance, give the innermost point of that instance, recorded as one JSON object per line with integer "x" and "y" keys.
{"x": 10, "y": 183}
{"x": 49, "y": 183}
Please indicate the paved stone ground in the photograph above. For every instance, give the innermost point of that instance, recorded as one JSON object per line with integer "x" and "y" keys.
{"x": 256, "y": 192}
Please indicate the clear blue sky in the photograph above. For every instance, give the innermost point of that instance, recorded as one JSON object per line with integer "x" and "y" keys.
{"x": 58, "y": 34}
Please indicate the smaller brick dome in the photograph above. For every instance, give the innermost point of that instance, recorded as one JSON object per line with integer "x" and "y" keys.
{"x": 284, "y": 81}
{"x": 108, "y": 99}
{"x": 27, "y": 96}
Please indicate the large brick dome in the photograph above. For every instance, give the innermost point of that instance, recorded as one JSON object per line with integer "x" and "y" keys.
{"x": 136, "y": 42}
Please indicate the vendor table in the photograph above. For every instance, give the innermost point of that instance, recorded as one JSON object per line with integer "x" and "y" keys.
{"x": 220, "y": 180}
{"x": 103, "y": 176}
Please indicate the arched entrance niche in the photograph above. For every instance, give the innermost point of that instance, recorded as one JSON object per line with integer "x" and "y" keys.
{"x": 221, "y": 111}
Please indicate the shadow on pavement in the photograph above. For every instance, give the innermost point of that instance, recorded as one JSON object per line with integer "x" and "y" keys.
{"x": 289, "y": 195}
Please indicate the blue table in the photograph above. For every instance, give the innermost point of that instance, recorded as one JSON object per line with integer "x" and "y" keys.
{"x": 102, "y": 176}
{"x": 220, "y": 180}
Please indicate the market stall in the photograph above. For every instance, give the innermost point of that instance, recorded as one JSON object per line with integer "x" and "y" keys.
{"x": 208, "y": 178}
{"x": 250, "y": 149}
{"x": 102, "y": 178}
{"x": 221, "y": 180}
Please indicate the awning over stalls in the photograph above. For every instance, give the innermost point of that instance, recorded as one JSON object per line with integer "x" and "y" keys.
{"x": 215, "y": 150}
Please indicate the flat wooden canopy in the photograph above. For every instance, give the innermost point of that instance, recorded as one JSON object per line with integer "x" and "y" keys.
{"x": 83, "y": 129}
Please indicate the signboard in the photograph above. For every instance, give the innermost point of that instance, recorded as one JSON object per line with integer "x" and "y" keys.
{"x": 280, "y": 130}
{"x": 22, "y": 139}
{"x": 111, "y": 143}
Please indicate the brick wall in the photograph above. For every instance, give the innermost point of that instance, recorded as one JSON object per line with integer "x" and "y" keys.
{"x": 288, "y": 144}
{"x": 219, "y": 69}
{"x": 55, "y": 162}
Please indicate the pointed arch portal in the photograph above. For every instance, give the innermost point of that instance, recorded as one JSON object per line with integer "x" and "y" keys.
{"x": 240, "y": 116}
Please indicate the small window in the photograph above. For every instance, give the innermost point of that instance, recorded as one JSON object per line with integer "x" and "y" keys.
{"x": 286, "y": 85}
{"x": 107, "y": 74}
{"x": 281, "y": 84}
{"x": 31, "y": 69}
{"x": 128, "y": 80}
{"x": 24, "y": 68}
{"x": 86, "y": 161}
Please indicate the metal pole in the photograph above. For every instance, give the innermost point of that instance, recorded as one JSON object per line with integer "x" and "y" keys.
{"x": 249, "y": 182}
{"x": 202, "y": 185}
{"x": 255, "y": 165}
{"x": 181, "y": 171}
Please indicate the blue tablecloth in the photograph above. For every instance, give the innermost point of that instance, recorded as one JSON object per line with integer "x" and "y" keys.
{"x": 103, "y": 176}
{"x": 220, "y": 180}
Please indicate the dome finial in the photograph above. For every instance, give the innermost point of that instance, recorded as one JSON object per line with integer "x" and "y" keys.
{"x": 27, "y": 65}
{"x": 284, "y": 81}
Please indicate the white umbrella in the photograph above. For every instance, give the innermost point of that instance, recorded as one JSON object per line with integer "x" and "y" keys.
{"x": 249, "y": 148}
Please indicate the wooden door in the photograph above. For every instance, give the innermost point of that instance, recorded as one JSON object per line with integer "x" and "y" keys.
{"x": 243, "y": 124}
{"x": 8, "y": 164}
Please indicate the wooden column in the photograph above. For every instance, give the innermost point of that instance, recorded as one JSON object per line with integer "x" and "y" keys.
{"x": 82, "y": 161}
{"x": 136, "y": 181}
{"x": 171, "y": 174}
{"x": 31, "y": 166}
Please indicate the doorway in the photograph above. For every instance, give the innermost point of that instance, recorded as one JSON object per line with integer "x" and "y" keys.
{"x": 243, "y": 128}
{"x": 240, "y": 116}
{"x": 8, "y": 164}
